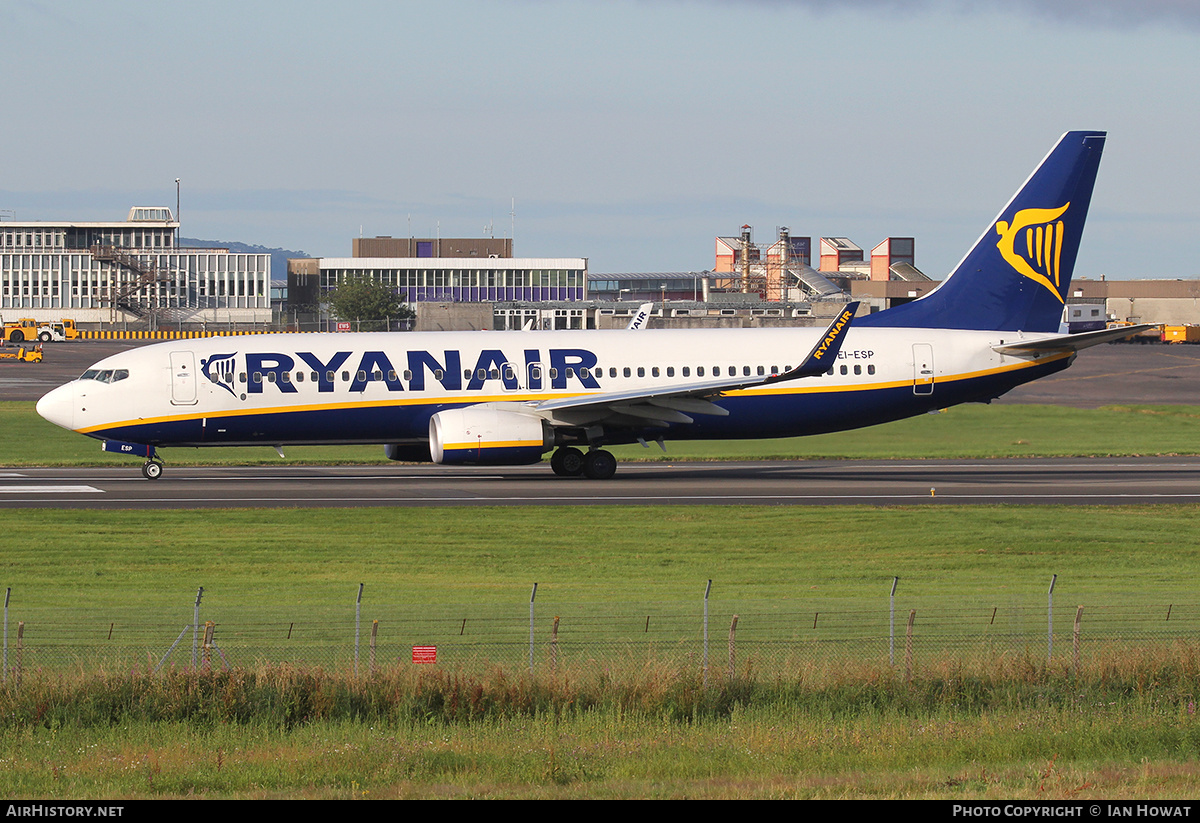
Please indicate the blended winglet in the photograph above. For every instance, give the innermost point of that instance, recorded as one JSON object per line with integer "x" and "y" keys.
{"x": 826, "y": 349}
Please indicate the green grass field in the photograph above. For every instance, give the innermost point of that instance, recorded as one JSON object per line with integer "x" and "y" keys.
{"x": 984, "y": 715}
{"x": 1011, "y": 725}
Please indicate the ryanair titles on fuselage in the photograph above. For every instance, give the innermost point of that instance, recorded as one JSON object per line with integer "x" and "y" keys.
{"x": 262, "y": 368}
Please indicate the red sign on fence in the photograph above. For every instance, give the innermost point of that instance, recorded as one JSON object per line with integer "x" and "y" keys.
{"x": 424, "y": 654}
{"x": 342, "y": 326}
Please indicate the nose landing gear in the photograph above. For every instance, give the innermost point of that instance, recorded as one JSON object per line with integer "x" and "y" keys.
{"x": 152, "y": 469}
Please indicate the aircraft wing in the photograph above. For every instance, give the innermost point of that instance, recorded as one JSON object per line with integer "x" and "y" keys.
{"x": 1072, "y": 342}
{"x": 660, "y": 406}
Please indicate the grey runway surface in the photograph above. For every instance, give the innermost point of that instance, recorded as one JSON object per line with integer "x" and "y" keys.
{"x": 1071, "y": 481}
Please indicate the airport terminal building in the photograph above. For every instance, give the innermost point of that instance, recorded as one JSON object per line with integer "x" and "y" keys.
{"x": 127, "y": 272}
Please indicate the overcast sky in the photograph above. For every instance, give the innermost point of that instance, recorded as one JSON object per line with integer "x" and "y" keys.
{"x": 628, "y": 132}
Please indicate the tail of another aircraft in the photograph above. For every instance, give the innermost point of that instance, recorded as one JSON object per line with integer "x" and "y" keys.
{"x": 1017, "y": 276}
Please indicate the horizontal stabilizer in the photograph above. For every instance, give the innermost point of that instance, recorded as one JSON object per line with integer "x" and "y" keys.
{"x": 1072, "y": 342}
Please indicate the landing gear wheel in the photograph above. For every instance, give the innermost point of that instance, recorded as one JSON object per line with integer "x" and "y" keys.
{"x": 152, "y": 470}
{"x": 599, "y": 465}
{"x": 567, "y": 462}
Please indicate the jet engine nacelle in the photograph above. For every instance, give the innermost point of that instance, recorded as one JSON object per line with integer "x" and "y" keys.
{"x": 487, "y": 436}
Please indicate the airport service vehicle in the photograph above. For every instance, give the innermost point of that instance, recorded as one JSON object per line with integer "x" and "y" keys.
{"x": 64, "y": 329}
{"x": 22, "y": 354}
{"x": 508, "y": 398}
{"x": 27, "y": 329}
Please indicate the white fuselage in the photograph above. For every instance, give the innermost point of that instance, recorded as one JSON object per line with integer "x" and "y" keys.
{"x": 378, "y": 388}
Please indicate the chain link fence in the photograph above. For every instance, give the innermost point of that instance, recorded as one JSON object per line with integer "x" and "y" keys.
{"x": 743, "y": 637}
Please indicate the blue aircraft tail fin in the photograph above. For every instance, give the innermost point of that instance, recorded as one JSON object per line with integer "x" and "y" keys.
{"x": 1017, "y": 276}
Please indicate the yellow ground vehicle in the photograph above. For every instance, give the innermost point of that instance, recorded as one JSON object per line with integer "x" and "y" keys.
{"x": 1151, "y": 335}
{"x": 69, "y": 330}
{"x": 33, "y": 355}
{"x": 1181, "y": 334}
{"x": 25, "y": 329}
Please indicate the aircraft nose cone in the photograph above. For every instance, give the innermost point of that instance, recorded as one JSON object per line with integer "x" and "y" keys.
{"x": 58, "y": 406}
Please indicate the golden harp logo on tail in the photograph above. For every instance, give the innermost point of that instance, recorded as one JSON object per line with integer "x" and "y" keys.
{"x": 1032, "y": 244}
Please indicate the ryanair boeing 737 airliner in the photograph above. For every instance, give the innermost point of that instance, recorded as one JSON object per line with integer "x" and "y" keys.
{"x": 508, "y": 398}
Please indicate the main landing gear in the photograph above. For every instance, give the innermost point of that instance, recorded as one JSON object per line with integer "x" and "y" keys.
{"x": 597, "y": 464}
{"x": 152, "y": 469}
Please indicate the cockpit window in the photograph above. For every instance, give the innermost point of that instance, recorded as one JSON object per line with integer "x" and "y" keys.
{"x": 105, "y": 375}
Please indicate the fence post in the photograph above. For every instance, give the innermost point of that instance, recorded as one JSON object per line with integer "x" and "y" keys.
{"x": 196, "y": 624}
{"x": 707, "y": 589}
{"x": 532, "y": 597}
{"x": 1050, "y": 618}
{"x": 209, "y": 628}
{"x": 732, "y": 636}
{"x": 7, "y": 593}
{"x": 20, "y": 651}
{"x": 357, "y": 621}
{"x": 554, "y": 645}
{"x": 908, "y": 646}
{"x": 374, "y": 634}
{"x": 1076, "y": 637}
{"x": 892, "y": 623}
